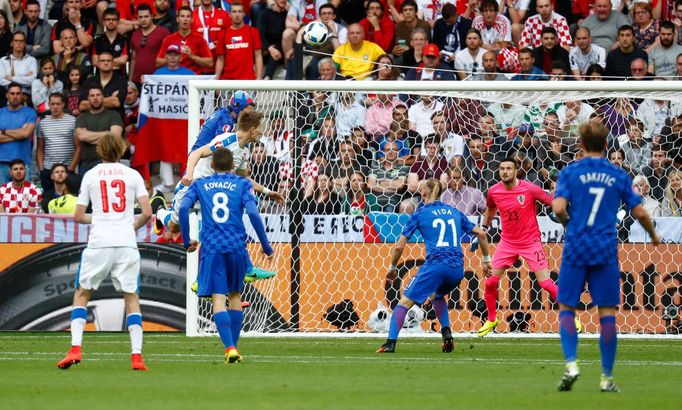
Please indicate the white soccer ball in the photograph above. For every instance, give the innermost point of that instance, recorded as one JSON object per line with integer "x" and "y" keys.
{"x": 379, "y": 320}
{"x": 315, "y": 33}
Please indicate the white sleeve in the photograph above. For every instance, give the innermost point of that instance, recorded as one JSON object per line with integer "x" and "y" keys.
{"x": 601, "y": 52}
{"x": 572, "y": 58}
{"x": 140, "y": 190}
{"x": 459, "y": 64}
{"x": 84, "y": 194}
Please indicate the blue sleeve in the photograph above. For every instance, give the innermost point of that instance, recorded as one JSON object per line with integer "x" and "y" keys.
{"x": 562, "y": 186}
{"x": 247, "y": 193}
{"x": 219, "y": 127}
{"x": 183, "y": 213}
{"x": 629, "y": 196}
{"x": 467, "y": 225}
{"x": 257, "y": 223}
{"x": 412, "y": 225}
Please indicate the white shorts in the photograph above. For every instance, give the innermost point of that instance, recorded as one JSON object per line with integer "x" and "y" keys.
{"x": 97, "y": 263}
{"x": 180, "y": 191}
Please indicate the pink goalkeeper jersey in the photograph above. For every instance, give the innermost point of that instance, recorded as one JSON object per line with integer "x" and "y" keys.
{"x": 517, "y": 210}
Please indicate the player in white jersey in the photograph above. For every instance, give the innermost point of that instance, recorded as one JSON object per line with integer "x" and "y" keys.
{"x": 112, "y": 188}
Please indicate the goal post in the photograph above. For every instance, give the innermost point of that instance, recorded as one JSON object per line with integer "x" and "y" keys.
{"x": 332, "y": 256}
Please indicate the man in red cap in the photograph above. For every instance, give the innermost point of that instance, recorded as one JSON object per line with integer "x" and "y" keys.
{"x": 431, "y": 68}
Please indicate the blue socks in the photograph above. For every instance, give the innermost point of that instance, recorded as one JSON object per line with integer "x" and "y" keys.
{"x": 224, "y": 325}
{"x": 608, "y": 343}
{"x": 440, "y": 306}
{"x": 236, "y": 318}
{"x": 397, "y": 321}
{"x": 569, "y": 335}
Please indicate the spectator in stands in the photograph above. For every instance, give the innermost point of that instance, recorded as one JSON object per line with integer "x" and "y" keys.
{"x": 637, "y": 150}
{"x": 195, "y": 52}
{"x": 431, "y": 165}
{"x": 385, "y": 70}
{"x": 271, "y": 25}
{"x": 131, "y": 112}
{"x": 670, "y": 138}
{"x": 338, "y": 35}
{"x": 617, "y": 113}
{"x": 404, "y": 28}
{"x": 301, "y": 12}
{"x": 431, "y": 68}
{"x": 653, "y": 113}
{"x": 595, "y": 72}
{"x": 556, "y": 156}
{"x": 672, "y": 198}
{"x": 162, "y": 17}
{"x": 508, "y": 116}
{"x": 276, "y": 137}
{"x": 18, "y": 67}
{"x": 379, "y": 28}
{"x": 379, "y": 111}
{"x": 388, "y": 179}
{"x": 559, "y": 72}
{"x": 585, "y": 53}
{"x": 463, "y": 114}
{"x": 72, "y": 19}
{"x": 646, "y": 27}
{"x": 72, "y": 90}
{"x": 479, "y": 163}
{"x": 113, "y": 42}
{"x": 535, "y": 26}
{"x": 469, "y": 60}
{"x": 664, "y": 56}
{"x": 548, "y": 52}
{"x": 551, "y": 128}
{"x": 604, "y": 25}
{"x": 325, "y": 145}
{"x": 526, "y": 171}
{"x": 71, "y": 56}
{"x": 209, "y": 22}
{"x": 618, "y": 60}
{"x": 639, "y": 69}
{"x": 5, "y": 34}
{"x": 657, "y": 172}
{"x": 240, "y": 52}
{"x": 55, "y": 186}
{"x": 451, "y": 144}
{"x": 363, "y": 151}
{"x": 357, "y": 200}
{"x": 355, "y": 58}
{"x": 93, "y": 125}
{"x": 495, "y": 29}
{"x": 43, "y": 86}
{"x": 467, "y": 199}
{"x": 19, "y": 196}
{"x": 414, "y": 56}
{"x": 145, "y": 44}
{"x": 17, "y": 124}
{"x": 172, "y": 66}
{"x": 37, "y": 31}
{"x": 640, "y": 185}
{"x": 347, "y": 164}
{"x": 572, "y": 114}
{"x": 320, "y": 199}
{"x": 409, "y": 141}
{"x": 18, "y": 16}
{"x": 264, "y": 168}
{"x": 66, "y": 203}
{"x": 420, "y": 114}
{"x": 488, "y": 130}
{"x": 350, "y": 113}
{"x": 489, "y": 72}
{"x": 616, "y": 156}
{"x": 327, "y": 69}
{"x": 529, "y": 72}
{"x": 113, "y": 84}
{"x": 449, "y": 31}
{"x": 517, "y": 11}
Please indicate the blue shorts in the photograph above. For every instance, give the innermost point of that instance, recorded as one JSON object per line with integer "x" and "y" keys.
{"x": 222, "y": 273}
{"x": 603, "y": 282}
{"x": 437, "y": 278}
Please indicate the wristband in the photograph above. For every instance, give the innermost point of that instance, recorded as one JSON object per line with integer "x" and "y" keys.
{"x": 486, "y": 258}
{"x": 78, "y": 27}
{"x": 266, "y": 191}
{"x": 392, "y": 267}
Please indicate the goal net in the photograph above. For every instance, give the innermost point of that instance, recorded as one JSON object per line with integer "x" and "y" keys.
{"x": 348, "y": 156}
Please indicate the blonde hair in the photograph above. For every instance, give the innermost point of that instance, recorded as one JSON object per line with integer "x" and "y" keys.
{"x": 435, "y": 189}
{"x": 111, "y": 148}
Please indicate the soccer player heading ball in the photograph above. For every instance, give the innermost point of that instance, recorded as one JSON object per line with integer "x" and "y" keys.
{"x": 516, "y": 200}
{"x": 224, "y": 258}
{"x": 587, "y": 198}
{"x": 112, "y": 246}
{"x": 442, "y": 227}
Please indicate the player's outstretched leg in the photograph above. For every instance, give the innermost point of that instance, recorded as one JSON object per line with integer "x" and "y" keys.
{"x": 78, "y": 318}
{"x": 440, "y": 306}
{"x": 608, "y": 344}
{"x": 490, "y": 296}
{"x": 569, "y": 345}
{"x": 256, "y": 273}
{"x": 236, "y": 316}
{"x": 553, "y": 290}
{"x": 397, "y": 322}
{"x": 134, "y": 324}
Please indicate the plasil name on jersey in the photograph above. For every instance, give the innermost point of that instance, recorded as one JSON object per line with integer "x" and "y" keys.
{"x": 600, "y": 177}
{"x": 109, "y": 171}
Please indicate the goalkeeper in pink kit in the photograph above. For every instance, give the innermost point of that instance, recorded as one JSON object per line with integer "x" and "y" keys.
{"x": 516, "y": 200}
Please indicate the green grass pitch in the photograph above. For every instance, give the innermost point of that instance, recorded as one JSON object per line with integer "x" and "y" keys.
{"x": 332, "y": 373}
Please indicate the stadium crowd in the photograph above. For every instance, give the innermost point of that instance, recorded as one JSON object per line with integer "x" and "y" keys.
{"x": 71, "y": 71}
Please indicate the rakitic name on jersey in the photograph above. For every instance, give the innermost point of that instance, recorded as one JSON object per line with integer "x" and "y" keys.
{"x": 598, "y": 177}
{"x": 220, "y": 185}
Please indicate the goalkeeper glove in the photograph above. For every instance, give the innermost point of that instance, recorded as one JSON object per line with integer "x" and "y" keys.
{"x": 474, "y": 245}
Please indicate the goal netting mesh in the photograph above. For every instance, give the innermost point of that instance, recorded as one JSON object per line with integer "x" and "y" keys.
{"x": 348, "y": 157}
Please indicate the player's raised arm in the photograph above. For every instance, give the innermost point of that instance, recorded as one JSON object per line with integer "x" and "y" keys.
{"x": 192, "y": 161}
{"x": 257, "y": 223}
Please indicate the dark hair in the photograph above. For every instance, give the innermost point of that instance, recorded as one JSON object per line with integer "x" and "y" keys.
{"x": 381, "y": 5}
{"x": 107, "y": 52}
{"x": 511, "y": 159}
{"x": 667, "y": 25}
{"x": 147, "y": 7}
{"x": 409, "y": 3}
{"x": 46, "y": 60}
{"x": 19, "y": 33}
{"x": 593, "y": 136}
{"x": 548, "y": 29}
{"x": 56, "y": 95}
{"x": 57, "y": 165}
{"x": 526, "y": 50}
{"x": 626, "y": 27}
{"x": 615, "y": 151}
{"x": 112, "y": 12}
{"x": 223, "y": 160}
{"x": 448, "y": 11}
{"x": 73, "y": 184}
{"x": 186, "y": 8}
{"x": 95, "y": 87}
{"x": 7, "y": 25}
{"x": 489, "y": 4}
{"x": 32, "y": 3}
{"x": 67, "y": 77}
{"x": 560, "y": 64}
{"x": 595, "y": 69}
{"x": 634, "y": 122}
{"x": 475, "y": 31}
{"x": 12, "y": 85}
{"x": 327, "y": 6}
{"x": 16, "y": 161}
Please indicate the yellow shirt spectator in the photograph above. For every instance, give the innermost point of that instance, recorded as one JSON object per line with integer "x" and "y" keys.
{"x": 358, "y": 63}
{"x": 65, "y": 204}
